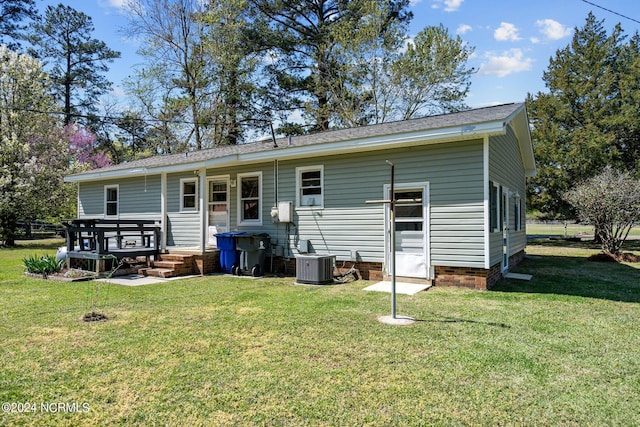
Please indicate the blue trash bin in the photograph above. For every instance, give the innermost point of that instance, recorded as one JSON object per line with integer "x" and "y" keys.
{"x": 229, "y": 255}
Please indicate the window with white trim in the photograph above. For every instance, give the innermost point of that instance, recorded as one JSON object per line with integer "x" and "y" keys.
{"x": 188, "y": 194}
{"x": 111, "y": 200}
{"x": 310, "y": 184}
{"x": 250, "y": 198}
{"x": 517, "y": 214}
{"x": 495, "y": 200}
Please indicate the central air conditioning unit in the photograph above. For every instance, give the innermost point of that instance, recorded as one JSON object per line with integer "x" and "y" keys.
{"x": 314, "y": 269}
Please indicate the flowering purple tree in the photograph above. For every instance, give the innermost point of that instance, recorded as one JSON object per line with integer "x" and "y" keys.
{"x": 82, "y": 143}
{"x": 610, "y": 202}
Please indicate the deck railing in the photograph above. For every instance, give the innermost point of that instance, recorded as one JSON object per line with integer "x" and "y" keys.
{"x": 119, "y": 237}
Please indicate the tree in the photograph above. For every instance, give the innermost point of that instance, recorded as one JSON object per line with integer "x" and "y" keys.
{"x": 589, "y": 117}
{"x": 428, "y": 77}
{"x": 431, "y": 76}
{"x": 82, "y": 145}
{"x": 232, "y": 37}
{"x": 172, "y": 42}
{"x": 12, "y": 12}
{"x": 33, "y": 160}
{"x": 309, "y": 37}
{"x": 78, "y": 62}
{"x": 610, "y": 202}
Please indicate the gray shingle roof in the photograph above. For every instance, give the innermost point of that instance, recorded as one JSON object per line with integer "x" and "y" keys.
{"x": 464, "y": 118}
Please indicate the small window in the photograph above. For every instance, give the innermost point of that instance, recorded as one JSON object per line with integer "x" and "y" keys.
{"x": 495, "y": 199}
{"x": 111, "y": 200}
{"x": 189, "y": 194}
{"x": 517, "y": 214}
{"x": 310, "y": 182}
{"x": 249, "y": 198}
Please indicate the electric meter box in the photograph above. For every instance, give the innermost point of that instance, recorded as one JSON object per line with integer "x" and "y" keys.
{"x": 285, "y": 211}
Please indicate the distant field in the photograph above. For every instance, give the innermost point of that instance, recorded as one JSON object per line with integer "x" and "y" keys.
{"x": 559, "y": 229}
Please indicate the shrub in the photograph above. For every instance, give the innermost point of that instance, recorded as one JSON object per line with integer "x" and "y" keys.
{"x": 610, "y": 202}
{"x": 43, "y": 264}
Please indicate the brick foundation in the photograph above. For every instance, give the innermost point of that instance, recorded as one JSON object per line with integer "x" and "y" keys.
{"x": 467, "y": 277}
{"x": 475, "y": 278}
{"x": 207, "y": 263}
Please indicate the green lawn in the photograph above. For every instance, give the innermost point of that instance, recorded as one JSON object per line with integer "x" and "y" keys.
{"x": 561, "y": 349}
{"x": 571, "y": 229}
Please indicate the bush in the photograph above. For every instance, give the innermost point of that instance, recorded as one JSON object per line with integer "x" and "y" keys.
{"x": 43, "y": 264}
{"x": 610, "y": 202}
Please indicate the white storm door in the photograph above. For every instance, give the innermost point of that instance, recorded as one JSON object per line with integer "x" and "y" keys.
{"x": 412, "y": 231}
{"x": 218, "y": 208}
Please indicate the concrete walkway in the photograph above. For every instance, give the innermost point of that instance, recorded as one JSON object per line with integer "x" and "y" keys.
{"x": 137, "y": 280}
{"x": 401, "y": 287}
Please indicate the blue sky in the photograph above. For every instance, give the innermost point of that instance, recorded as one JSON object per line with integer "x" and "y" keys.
{"x": 513, "y": 40}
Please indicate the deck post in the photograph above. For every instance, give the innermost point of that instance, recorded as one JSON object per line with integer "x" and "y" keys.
{"x": 163, "y": 209}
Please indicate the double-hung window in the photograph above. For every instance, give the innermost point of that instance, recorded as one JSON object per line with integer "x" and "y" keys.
{"x": 310, "y": 184}
{"x": 111, "y": 200}
{"x": 250, "y": 198}
{"x": 517, "y": 214}
{"x": 188, "y": 194}
{"x": 495, "y": 200}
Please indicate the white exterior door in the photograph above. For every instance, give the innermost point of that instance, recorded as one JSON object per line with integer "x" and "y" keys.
{"x": 412, "y": 231}
{"x": 218, "y": 208}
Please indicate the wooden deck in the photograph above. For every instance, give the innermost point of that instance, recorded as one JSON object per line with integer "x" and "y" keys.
{"x": 100, "y": 239}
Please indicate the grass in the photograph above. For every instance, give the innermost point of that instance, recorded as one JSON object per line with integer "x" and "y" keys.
{"x": 558, "y": 350}
{"x": 572, "y": 229}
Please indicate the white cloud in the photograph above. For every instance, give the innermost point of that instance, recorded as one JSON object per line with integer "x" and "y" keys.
{"x": 506, "y": 32}
{"x": 112, "y": 3}
{"x": 118, "y": 92}
{"x": 448, "y": 5}
{"x": 452, "y": 5}
{"x": 463, "y": 29}
{"x": 511, "y": 61}
{"x": 553, "y": 30}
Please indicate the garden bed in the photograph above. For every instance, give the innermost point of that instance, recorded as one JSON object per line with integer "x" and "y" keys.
{"x": 71, "y": 275}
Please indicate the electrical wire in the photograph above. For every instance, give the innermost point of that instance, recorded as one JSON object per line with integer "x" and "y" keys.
{"x": 611, "y": 11}
{"x": 115, "y": 118}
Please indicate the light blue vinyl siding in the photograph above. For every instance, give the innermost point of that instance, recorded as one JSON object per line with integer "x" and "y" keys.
{"x": 346, "y": 223}
{"x": 136, "y": 199}
{"x": 506, "y": 168}
{"x": 453, "y": 171}
{"x": 183, "y": 228}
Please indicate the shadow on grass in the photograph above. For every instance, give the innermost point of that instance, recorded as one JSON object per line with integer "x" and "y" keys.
{"x": 576, "y": 276}
{"x": 456, "y": 320}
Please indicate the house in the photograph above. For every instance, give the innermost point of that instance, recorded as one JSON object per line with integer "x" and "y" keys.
{"x": 464, "y": 175}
